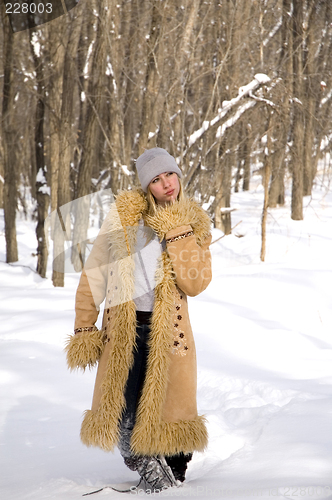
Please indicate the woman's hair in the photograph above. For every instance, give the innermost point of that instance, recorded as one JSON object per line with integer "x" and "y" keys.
{"x": 152, "y": 204}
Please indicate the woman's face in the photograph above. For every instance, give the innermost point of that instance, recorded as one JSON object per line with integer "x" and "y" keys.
{"x": 165, "y": 188}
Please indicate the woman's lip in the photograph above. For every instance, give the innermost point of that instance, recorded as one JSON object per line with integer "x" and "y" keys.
{"x": 170, "y": 192}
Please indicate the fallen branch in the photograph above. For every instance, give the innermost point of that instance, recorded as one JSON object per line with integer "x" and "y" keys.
{"x": 19, "y": 265}
{"x": 215, "y": 241}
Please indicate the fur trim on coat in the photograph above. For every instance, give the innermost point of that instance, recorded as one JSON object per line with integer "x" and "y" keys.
{"x": 167, "y": 421}
{"x": 84, "y": 350}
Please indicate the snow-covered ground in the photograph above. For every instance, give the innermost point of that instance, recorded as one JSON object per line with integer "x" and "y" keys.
{"x": 264, "y": 343}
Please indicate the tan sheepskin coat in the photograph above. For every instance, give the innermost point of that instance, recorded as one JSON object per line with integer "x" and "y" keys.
{"x": 167, "y": 420}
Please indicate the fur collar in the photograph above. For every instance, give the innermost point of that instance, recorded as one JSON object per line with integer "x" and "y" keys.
{"x": 132, "y": 206}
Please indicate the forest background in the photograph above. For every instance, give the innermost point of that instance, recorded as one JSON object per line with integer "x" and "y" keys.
{"x": 231, "y": 88}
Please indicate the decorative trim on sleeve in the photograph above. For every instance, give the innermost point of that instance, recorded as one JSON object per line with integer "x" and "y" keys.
{"x": 175, "y": 238}
{"x": 85, "y": 329}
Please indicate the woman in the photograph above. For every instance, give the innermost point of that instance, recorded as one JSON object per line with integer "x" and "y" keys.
{"x": 152, "y": 251}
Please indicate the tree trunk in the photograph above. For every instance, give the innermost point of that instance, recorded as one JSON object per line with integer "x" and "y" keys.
{"x": 152, "y": 81}
{"x": 2, "y": 174}
{"x": 266, "y": 178}
{"x": 298, "y": 115}
{"x": 312, "y": 90}
{"x": 42, "y": 195}
{"x": 41, "y": 189}
{"x": 281, "y": 129}
{"x": 96, "y": 102}
{"x": 243, "y": 158}
{"x": 9, "y": 148}
{"x": 223, "y": 212}
{"x": 57, "y": 44}
{"x": 67, "y": 140}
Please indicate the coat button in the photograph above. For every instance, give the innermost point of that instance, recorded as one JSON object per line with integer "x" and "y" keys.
{"x": 177, "y": 308}
{"x": 176, "y": 325}
{"x": 179, "y": 317}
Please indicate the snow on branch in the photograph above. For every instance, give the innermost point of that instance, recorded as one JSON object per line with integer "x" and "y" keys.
{"x": 327, "y": 97}
{"x": 246, "y": 91}
{"x": 273, "y": 32}
{"x": 231, "y": 121}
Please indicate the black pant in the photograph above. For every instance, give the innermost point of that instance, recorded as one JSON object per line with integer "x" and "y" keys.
{"x": 134, "y": 386}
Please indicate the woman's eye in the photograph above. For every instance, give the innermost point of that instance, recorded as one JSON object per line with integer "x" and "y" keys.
{"x": 155, "y": 180}
{"x": 170, "y": 173}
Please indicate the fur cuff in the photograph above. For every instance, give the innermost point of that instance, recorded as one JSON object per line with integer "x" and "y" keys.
{"x": 180, "y": 213}
{"x": 84, "y": 349}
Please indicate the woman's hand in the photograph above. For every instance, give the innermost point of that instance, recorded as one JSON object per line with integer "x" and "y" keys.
{"x": 174, "y": 214}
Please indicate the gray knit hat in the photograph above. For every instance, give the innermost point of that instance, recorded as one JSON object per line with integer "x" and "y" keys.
{"x": 154, "y": 162}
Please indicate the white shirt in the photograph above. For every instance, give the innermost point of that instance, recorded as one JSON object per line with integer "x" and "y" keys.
{"x": 148, "y": 250}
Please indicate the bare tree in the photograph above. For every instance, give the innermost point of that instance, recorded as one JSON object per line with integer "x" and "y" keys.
{"x": 67, "y": 140}
{"x": 298, "y": 112}
{"x": 42, "y": 192}
{"x": 96, "y": 101}
{"x": 9, "y": 146}
{"x": 114, "y": 77}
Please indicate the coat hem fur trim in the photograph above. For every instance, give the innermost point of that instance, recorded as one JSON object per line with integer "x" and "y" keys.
{"x": 184, "y": 436}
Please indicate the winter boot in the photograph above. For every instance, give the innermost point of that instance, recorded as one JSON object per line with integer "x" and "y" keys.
{"x": 154, "y": 470}
{"x": 178, "y": 464}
